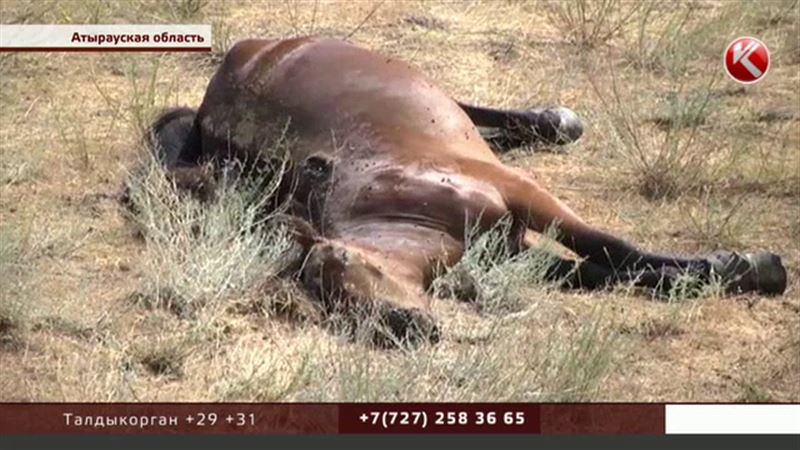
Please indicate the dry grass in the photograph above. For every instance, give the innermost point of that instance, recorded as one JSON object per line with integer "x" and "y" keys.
{"x": 587, "y": 23}
{"x": 491, "y": 276}
{"x": 201, "y": 254}
{"x": 676, "y": 156}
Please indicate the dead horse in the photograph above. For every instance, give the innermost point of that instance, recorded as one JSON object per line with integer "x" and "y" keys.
{"x": 386, "y": 169}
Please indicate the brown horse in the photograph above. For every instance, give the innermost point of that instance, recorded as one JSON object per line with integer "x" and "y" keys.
{"x": 386, "y": 169}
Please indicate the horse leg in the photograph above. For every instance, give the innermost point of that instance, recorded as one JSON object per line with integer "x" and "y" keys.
{"x": 507, "y": 129}
{"x": 572, "y": 274}
{"x": 531, "y": 204}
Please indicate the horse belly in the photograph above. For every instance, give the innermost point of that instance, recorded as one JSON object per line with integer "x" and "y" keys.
{"x": 434, "y": 199}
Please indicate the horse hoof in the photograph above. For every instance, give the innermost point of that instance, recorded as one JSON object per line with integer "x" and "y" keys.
{"x": 570, "y": 128}
{"x": 770, "y": 273}
{"x": 559, "y": 125}
{"x": 762, "y": 272}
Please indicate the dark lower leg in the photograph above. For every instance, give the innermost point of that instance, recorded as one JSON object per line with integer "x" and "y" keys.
{"x": 576, "y": 275}
{"x": 606, "y": 250}
{"x": 761, "y": 272}
{"x": 588, "y": 275}
{"x": 507, "y": 129}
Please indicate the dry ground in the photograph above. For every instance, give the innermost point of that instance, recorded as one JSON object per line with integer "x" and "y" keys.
{"x": 676, "y": 157}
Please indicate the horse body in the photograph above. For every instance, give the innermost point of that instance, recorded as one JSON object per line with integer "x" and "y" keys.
{"x": 393, "y": 153}
{"x": 389, "y": 171}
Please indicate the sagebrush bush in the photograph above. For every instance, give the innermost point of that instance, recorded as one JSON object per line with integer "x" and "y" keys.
{"x": 667, "y": 160}
{"x": 591, "y": 23}
{"x": 198, "y": 252}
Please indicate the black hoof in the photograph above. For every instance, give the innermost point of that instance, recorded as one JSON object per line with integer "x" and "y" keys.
{"x": 762, "y": 272}
{"x": 559, "y": 125}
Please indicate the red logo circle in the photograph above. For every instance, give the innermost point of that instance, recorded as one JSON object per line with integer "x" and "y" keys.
{"x": 747, "y": 60}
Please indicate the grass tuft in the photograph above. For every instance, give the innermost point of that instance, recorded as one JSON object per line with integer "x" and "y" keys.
{"x": 199, "y": 254}
{"x": 258, "y": 374}
{"x": 588, "y": 24}
{"x": 491, "y": 275}
{"x": 669, "y": 160}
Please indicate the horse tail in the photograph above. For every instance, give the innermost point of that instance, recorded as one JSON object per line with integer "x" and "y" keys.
{"x": 174, "y": 138}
